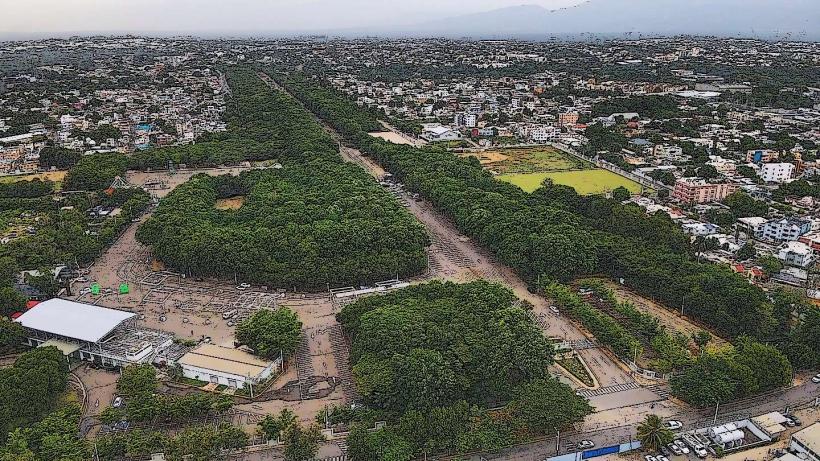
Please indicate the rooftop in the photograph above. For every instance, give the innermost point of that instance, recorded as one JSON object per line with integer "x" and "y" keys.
{"x": 224, "y": 359}
{"x": 73, "y": 320}
{"x": 809, "y": 437}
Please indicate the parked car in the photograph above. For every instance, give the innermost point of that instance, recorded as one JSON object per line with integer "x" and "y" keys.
{"x": 816, "y": 379}
{"x": 792, "y": 420}
{"x": 585, "y": 444}
{"x": 675, "y": 449}
{"x": 554, "y": 309}
{"x": 117, "y": 402}
{"x": 243, "y": 286}
{"x": 789, "y": 422}
{"x": 700, "y": 451}
{"x": 85, "y": 291}
{"x": 650, "y": 458}
{"x": 672, "y": 424}
{"x": 682, "y": 446}
{"x": 661, "y": 458}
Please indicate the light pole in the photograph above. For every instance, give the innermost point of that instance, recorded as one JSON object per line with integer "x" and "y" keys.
{"x": 717, "y": 405}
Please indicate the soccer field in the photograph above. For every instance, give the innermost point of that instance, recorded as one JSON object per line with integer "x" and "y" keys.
{"x": 585, "y": 182}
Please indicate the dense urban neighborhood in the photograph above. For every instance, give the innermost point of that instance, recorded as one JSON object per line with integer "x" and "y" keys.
{"x": 322, "y": 248}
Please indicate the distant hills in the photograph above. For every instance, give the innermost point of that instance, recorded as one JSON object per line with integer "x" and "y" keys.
{"x": 795, "y": 19}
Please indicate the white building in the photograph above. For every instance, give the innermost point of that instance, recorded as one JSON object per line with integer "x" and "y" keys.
{"x": 785, "y": 229}
{"x": 795, "y": 253}
{"x": 806, "y": 443}
{"x": 108, "y": 337}
{"x": 435, "y": 132}
{"x": 754, "y": 225}
{"x": 542, "y": 133}
{"x": 776, "y": 172}
{"x": 223, "y": 365}
{"x": 700, "y": 229}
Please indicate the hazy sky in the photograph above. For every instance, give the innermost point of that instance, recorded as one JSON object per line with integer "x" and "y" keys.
{"x": 54, "y": 16}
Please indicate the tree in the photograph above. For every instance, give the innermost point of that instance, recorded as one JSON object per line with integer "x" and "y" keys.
{"x": 16, "y": 448}
{"x": 380, "y": 445}
{"x": 301, "y": 444}
{"x": 12, "y": 334}
{"x": 621, "y": 194}
{"x": 770, "y": 265}
{"x": 747, "y": 251}
{"x": 271, "y": 426}
{"x": 137, "y": 380}
{"x": 11, "y": 301}
{"x": 270, "y": 333}
{"x": 652, "y": 434}
{"x": 59, "y": 158}
{"x": 543, "y": 406}
{"x": 708, "y": 172}
{"x": 701, "y": 339}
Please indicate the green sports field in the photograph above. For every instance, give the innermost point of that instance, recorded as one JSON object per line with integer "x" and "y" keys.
{"x": 585, "y": 182}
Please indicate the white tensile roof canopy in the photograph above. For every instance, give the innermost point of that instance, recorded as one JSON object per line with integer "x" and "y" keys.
{"x": 73, "y": 320}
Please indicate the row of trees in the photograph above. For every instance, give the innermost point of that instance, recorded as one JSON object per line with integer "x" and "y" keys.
{"x": 196, "y": 443}
{"x": 138, "y": 384}
{"x": 556, "y": 233}
{"x": 432, "y": 357}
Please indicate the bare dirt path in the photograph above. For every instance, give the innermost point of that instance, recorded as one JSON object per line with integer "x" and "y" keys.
{"x": 667, "y": 317}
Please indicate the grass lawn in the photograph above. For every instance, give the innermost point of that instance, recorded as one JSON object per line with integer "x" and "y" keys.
{"x": 586, "y": 182}
{"x": 574, "y": 366}
{"x": 51, "y": 176}
{"x": 529, "y": 160}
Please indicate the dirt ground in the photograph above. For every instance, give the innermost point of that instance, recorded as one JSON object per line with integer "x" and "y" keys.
{"x": 671, "y": 319}
{"x": 395, "y": 138}
{"x": 231, "y": 203}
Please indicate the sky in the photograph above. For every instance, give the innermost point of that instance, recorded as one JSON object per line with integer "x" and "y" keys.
{"x": 56, "y": 17}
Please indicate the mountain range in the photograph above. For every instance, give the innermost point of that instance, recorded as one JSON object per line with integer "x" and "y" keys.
{"x": 794, "y": 19}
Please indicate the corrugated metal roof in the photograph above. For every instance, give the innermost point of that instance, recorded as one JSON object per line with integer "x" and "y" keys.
{"x": 224, "y": 359}
{"x": 73, "y": 320}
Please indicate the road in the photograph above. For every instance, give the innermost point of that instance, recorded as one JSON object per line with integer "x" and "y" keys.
{"x": 458, "y": 258}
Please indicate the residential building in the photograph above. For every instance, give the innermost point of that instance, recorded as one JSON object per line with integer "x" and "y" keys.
{"x": 794, "y": 253}
{"x": 700, "y": 229}
{"x": 752, "y": 225}
{"x": 761, "y": 156}
{"x": 785, "y": 229}
{"x": 568, "y": 118}
{"x": 698, "y": 190}
{"x": 542, "y": 134}
{"x": 776, "y": 172}
{"x": 227, "y": 366}
{"x": 811, "y": 239}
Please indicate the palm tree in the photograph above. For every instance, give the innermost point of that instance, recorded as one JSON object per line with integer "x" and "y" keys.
{"x": 652, "y": 434}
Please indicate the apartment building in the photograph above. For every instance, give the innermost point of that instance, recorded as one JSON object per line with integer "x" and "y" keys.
{"x": 776, "y": 172}
{"x": 785, "y": 229}
{"x": 698, "y": 190}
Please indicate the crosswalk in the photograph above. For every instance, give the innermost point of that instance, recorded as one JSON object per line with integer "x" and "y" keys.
{"x": 662, "y": 390}
{"x": 607, "y": 390}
